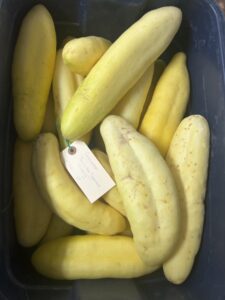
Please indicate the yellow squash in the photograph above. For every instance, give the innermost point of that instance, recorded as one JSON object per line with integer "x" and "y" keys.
{"x": 119, "y": 69}
{"x": 32, "y": 71}
{"x": 64, "y": 196}
{"x": 31, "y": 213}
{"x": 168, "y": 104}
{"x": 188, "y": 160}
{"x": 147, "y": 188}
{"x": 81, "y": 54}
{"x": 90, "y": 257}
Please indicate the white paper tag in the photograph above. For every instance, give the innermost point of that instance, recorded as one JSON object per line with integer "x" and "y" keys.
{"x": 86, "y": 170}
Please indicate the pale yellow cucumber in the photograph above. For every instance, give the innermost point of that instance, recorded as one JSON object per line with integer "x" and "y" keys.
{"x": 147, "y": 188}
{"x": 188, "y": 160}
{"x": 81, "y": 54}
{"x": 112, "y": 197}
{"x": 63, "y": 195}
{"x": 32, "y": 71}
{"x": 31, "y": 213}
{"x": 65, "y": 83}
{"x": 168, "y": 104}
{"x": 90, "y": 257}
{"x": 57, "y": 228}
{"x": 49, "y": 124}
{"x": 119, "y": 69}
{"x": 131, "y": 106}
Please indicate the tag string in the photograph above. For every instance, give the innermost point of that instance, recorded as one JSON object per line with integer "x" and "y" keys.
{"x": 71, "y": 149}
{"x": 68, "y": 144}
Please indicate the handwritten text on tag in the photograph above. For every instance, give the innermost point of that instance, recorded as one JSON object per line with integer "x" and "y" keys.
{"x": 86, "y": 170}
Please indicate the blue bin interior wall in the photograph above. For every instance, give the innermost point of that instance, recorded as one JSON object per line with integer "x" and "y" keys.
{"x": 202, "y": 38}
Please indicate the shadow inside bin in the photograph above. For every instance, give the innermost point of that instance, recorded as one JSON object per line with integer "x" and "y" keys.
{"x": 127, "y": 289}
{"x": 105, "y": 289}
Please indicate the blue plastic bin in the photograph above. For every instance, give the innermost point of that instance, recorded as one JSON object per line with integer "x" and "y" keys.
{"x": 202, "y": 37}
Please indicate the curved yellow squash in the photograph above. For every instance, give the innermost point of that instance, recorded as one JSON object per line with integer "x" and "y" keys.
{"x": 147, "y": 188}
{"x": 81, "y": 54}
{"x": 168, "y": 104}
{"x": 121, "y": 66}
{"x": 32, "y": 71}
{"x": 90, "y": 257}
{"x": 64, "y": 196}
{"x": 32, "y": 215}
{"x": 188, "y": 157}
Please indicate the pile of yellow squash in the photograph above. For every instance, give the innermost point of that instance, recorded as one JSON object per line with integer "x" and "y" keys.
{"x": 129, "y": 106}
